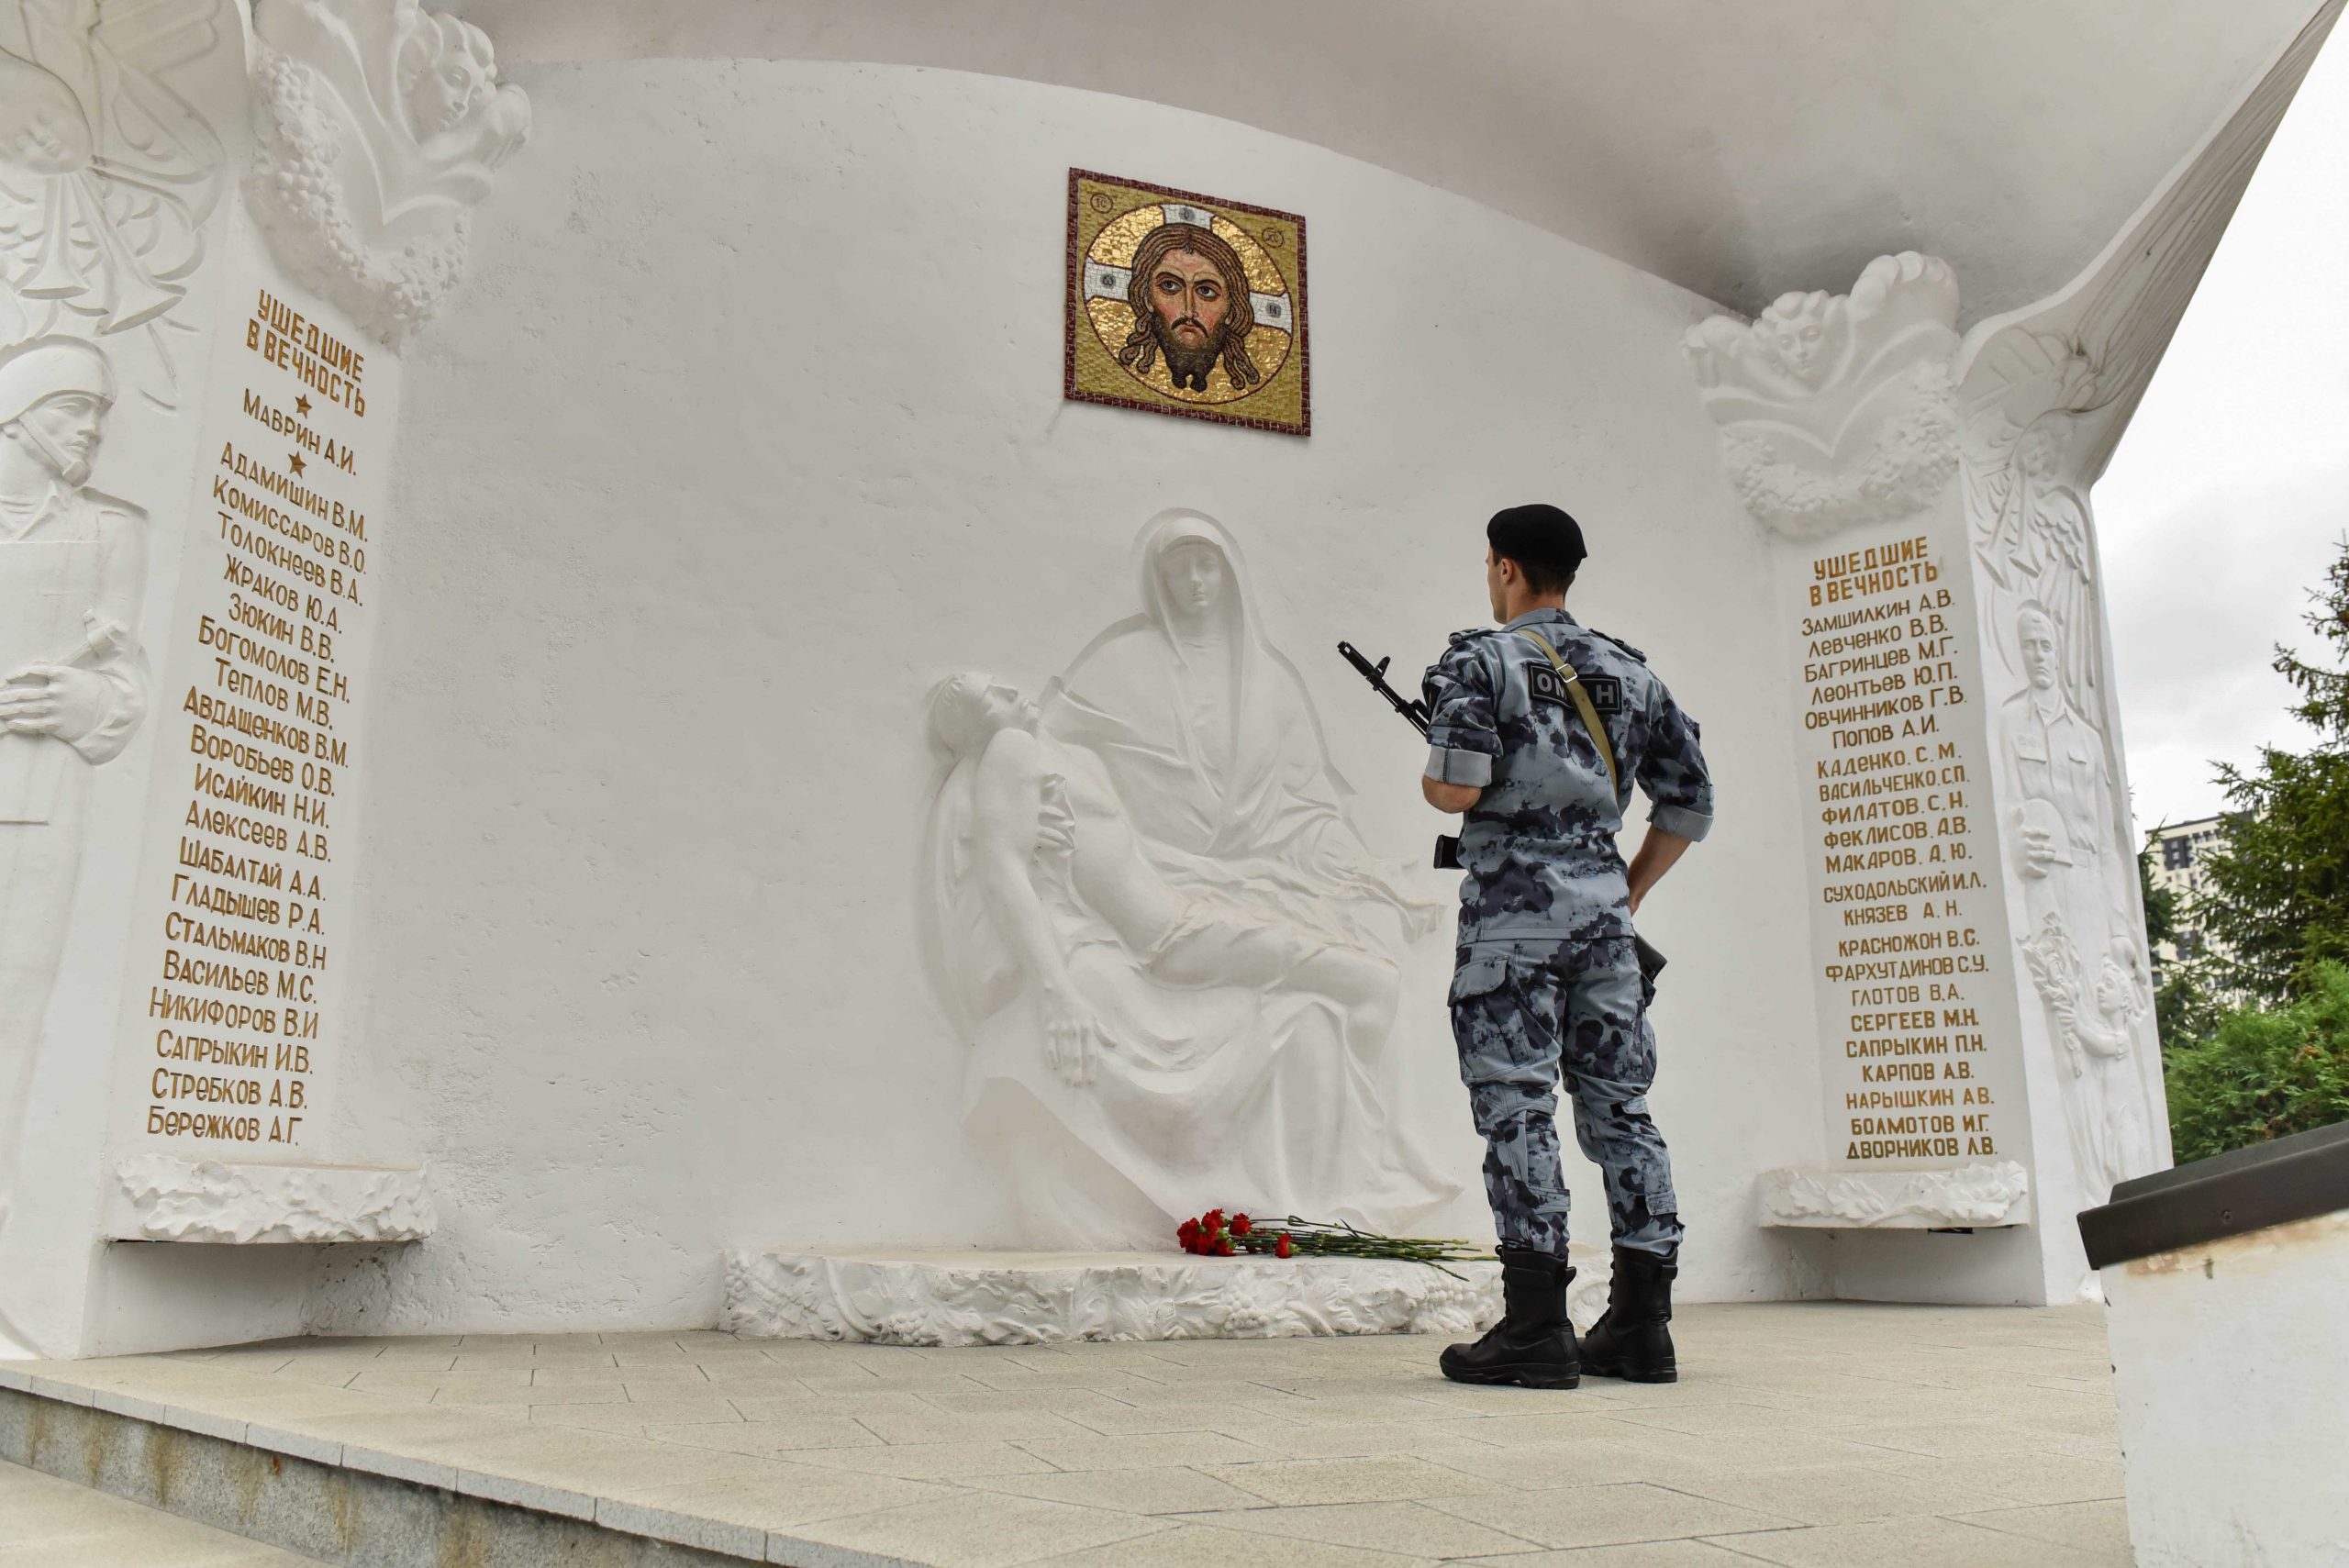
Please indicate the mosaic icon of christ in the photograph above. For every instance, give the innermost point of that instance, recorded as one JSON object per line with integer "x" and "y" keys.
{"x": 1190, "y": 302}
{"x": 1186, "y": 305}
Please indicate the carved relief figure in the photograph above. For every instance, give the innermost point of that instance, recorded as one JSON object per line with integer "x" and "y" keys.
{"x": 1176, "y": 960}
{"x": 2085, "y": 961}
{"x": 380, "y": 126}
{"x": 2039, "y": 416}
{"x": 1837, "y": 410}
{"x": 73, "y": 679}
{"x": 106, "y": 176}
{"x": 2031, "y": 419}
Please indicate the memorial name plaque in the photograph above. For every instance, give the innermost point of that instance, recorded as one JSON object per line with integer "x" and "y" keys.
{"x": 1908, "y": 929}
{"x": 261, "y": 684}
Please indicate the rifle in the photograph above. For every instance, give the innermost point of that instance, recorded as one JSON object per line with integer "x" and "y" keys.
{"x": 1447, "y": 846}
{"x": 1414, "y": 710}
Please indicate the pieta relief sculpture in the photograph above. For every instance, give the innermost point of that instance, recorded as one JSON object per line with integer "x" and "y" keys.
{"x": 1174, "y": 959}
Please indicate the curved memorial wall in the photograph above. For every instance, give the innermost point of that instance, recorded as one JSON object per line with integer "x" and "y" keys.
{"x": 747, "y": 431}
{"x": 616, "y": 665}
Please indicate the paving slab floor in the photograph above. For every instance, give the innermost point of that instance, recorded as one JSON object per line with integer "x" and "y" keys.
{"x": 1805, "y": 1434}
{"x": 48, "y": 1523}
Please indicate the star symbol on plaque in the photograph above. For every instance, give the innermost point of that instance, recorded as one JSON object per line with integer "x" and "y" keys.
{"x": 302, "y": 404}
{"x": 295, "y": 463}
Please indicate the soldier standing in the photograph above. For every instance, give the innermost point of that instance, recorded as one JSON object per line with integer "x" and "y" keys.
{"x": 1538, "y": 729}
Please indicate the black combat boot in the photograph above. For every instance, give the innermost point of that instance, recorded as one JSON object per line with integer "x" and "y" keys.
{"x": 1534, "y": 1344}
{"x": 1632, "y": 1340}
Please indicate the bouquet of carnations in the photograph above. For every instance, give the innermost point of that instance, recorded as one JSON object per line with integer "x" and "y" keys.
{"x": 1217, "y": 1235}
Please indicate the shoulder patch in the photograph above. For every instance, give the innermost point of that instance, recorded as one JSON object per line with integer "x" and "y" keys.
{"x": 1543, "y": 684}
{"x": 1619, "y": 643}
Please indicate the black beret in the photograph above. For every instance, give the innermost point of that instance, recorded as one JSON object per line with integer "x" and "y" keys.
{"x": 1539, "y": 536}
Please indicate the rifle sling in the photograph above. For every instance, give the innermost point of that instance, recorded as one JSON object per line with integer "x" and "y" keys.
{"x": 1582, "y": 706}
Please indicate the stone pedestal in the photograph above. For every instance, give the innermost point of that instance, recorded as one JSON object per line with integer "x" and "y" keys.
{"x": 2225, "y": 1280}
{"x": 943, "y": 1297}
{"x": 1840, "y": 1199}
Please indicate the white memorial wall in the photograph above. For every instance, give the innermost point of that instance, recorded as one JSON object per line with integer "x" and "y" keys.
{"x": 707, "y": 499}
{"x": 821, "y": 788}
{"x": 217, "y": 236}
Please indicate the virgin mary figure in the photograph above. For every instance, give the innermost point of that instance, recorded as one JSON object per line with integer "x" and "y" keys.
{"x": 1210, "y": 741}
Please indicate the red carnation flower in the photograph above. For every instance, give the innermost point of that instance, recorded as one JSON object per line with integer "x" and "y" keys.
{"x": 1240, "y": 1225}
{"x": 1284, "y": 1247}
{"x": 1223, "y": 1247}
{"x": 1211, "y": 1220}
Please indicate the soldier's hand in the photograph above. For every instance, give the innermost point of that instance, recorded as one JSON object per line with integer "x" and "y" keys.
{"x": 1072, "y": 1038}
{"x": 2038, "y": 855}
{"x": 55, "y": 699}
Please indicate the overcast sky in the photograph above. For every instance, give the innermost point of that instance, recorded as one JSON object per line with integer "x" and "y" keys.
{"x": 2231, "y": 490}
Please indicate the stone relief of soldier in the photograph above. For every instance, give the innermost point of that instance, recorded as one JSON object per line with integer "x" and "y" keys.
{"x": 1174, "y": 959}
{"x": 1837, "y": 409}
{"x": 2036, "y": 413}
{"x": 73, "y": 679}
{"x": 2085, "y": 961}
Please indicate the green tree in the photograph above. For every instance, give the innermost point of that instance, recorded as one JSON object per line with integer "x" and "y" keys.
{"x": 2263, "y": 1073}
{"x": 2278, "y": 904}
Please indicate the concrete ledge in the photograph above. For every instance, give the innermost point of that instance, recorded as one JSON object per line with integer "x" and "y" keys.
{"x": 167, "y": 1197}
{"x": 1962, "y": 1197}
{"x": 2234, "y": 1194}
{"x": 945, "y": 1298}
{"x": 352, "y": 1513}
{"x": 2225, "y": 1279}
{"x": 425, "y": 1487}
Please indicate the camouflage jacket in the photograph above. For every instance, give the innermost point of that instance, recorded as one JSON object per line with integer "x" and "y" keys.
{"x": 1539, "y": 847}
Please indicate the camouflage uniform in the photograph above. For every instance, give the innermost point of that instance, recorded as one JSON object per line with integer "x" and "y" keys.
{"x": 1546, "y": 984}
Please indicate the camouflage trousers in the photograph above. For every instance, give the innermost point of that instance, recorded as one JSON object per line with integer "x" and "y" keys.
{"x": 1527, "y": 1015}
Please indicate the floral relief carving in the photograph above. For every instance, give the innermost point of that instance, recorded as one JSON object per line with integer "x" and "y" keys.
{"x": 107, "y": 178}
{"x": 378, "y": 128}
{"x": 1838, "y": 409}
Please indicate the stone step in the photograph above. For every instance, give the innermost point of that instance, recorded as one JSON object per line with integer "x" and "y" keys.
{"x": 324, "y": 1475}
{"x": 45, "y": 1522}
